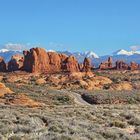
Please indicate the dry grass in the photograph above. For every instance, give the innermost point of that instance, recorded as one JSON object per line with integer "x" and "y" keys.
{"x": 71, "y": 122}
{"x": 63, "y": 119}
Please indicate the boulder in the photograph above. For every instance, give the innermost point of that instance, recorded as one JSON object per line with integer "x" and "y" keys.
{"x": 70, "y": 64}
{"x": 2, "y": 65}
{"x": 16, "y": 62}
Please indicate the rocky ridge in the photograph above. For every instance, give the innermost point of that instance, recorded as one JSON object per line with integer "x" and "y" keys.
{"x": 7, "y": 96}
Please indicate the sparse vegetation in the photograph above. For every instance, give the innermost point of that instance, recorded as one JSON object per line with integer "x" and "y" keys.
{"x": 114, "y": 115}
{"x": 112, "y": 97}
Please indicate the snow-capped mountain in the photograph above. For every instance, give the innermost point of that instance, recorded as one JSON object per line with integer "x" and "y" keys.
{"x": 3, "y": 50}
{"x": 127, "y": 56}
{"x": 124, "y": 52}
{"x": 6, "y": 54}
{"x": 90, "y": 54}
{"x": 81, "y": 55}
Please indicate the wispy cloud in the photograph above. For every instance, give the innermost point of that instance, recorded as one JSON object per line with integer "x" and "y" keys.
{"x": 56, "y": 46}
{"x": 20, "y": 47}
{"x": 17, "y": 47}
{"x": 135, "y": 48}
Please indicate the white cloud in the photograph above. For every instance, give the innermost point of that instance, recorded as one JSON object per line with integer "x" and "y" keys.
{"x": 15, "y": 47}
{"x": 56, "y": 46}
{"x": 135, "y": 48}
{"x": 20, "y": 47}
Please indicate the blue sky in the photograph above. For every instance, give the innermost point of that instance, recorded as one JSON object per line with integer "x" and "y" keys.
{"x": 102, "y": 26}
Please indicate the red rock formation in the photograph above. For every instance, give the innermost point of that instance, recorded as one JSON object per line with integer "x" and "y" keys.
{"x": 70, "y": 65}
{"x": 134, "y": 66}
{"x": 86, "y": 65}
{"x": 56, "y": 60}
{"x": 121, "y": 65}
{"x": 103, "y": 66}
{"x": 81, "y": 66}
{"x": 38, "y": 60}
{"x": 106, "y": 65}
{"x": 110, "y": 61}
{"x": 16, "y": 62}
{"x": 2, "y": 65}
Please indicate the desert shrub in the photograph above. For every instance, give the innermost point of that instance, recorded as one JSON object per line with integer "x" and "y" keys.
{"x": 126, "y": 115}
{"x": 14, "y": 138}
{"x": 112, "y": 97}
{"x": 23, "y": 129}
{"x": 32, "y": 78}
{"x": 119, "y": 124}
{"x": 6, "y": 130}
{"x": 128, "y": 79}
{"x": 98, "y": 73}
{"x": 65, "y": 137}
{"x": 137, "y": 129}
{"x": 109, "y": 134}
{"x": 116, "y": 80}
{"x": 107, "y": 86}
{"x": 134, "y": 121}
{"x": 56, "y": 128}
{"x": 136, "y": 84}
{"x": 62, "y": 99}
{"x": 94, "y": 136}
{"x": 56, "y": 137}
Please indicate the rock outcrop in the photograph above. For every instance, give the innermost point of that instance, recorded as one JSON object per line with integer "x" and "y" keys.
{"x": 110, "y": 62}
{"x": 24, "y": 100}
{"x": 106, "y": 65}
{"x": 70, "y": 64}
{"x": 16, "y": 62}
{"x": 77, "y": 80}
{"x": 36, "y": 60}
{"x": 86, "y": 65}
{"x": 40, "y": 61}
{"x": 2, "y": 65}
{"x": 121, "y": 86}
{"x": 4, "y": 90}
{"x": 55, "y": 61}
{"x": 9, "y": 97}
{"x": 121, "y": 65}
{"x": 134, "y": 66}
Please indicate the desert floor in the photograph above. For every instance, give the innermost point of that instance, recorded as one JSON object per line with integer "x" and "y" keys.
{"x": 67, "y": 115}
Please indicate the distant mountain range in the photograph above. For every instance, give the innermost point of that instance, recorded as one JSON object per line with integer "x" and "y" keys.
{"x": 127, "y": 56}
{"x": 127, "y": 53}
{"x": 6, "y": 54}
